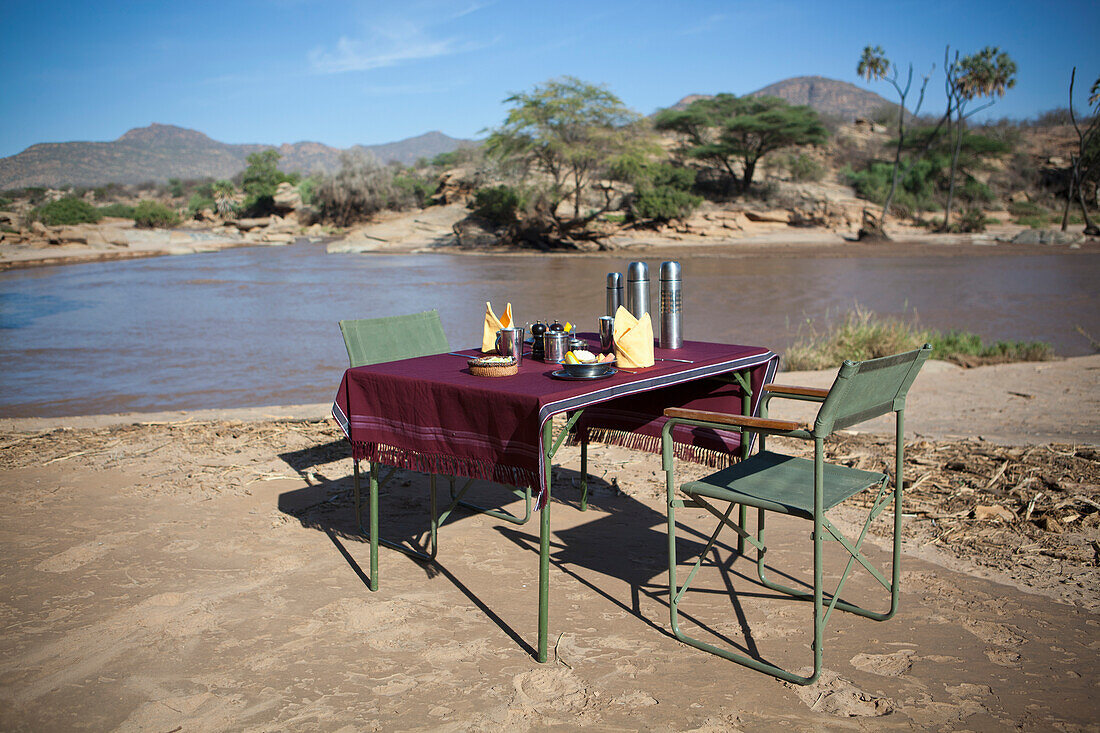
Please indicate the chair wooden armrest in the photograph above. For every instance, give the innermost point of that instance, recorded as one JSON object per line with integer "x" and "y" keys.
{"x": 800, "y": 391}
{"x": 743, "y": 421}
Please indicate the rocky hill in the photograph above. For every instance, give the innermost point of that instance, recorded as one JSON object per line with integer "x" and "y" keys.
{"x": 159, "y": 152}
{"x": 828, "y": 96}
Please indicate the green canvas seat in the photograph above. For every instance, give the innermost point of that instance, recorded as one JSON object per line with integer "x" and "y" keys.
{"x": 798, "y": 487}
{"x": 777, "y": 483}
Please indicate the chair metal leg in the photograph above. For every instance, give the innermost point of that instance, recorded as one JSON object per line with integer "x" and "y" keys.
{"x": 676, "y": 595}
{"x": 741, "y": 517}
{"x": 372, "y": 532}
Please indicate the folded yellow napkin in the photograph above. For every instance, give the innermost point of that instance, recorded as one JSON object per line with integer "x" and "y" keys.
{"x": 494, "y": 324}
{"x": 633, "y": 340}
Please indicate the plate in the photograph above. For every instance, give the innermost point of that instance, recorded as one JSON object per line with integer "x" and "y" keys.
{"x": 562, "y": 374}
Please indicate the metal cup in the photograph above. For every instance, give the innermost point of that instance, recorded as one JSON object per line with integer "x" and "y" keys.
{"x": 607, "y": 334}
{"x": 556, "y": 343}
{"x": 510, "y": 343}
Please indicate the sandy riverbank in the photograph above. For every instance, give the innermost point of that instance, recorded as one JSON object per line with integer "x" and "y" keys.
{"x": 201, "y": 571}
{"x": 431, "y": 231}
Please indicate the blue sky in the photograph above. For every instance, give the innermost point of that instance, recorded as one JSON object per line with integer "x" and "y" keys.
{"x": 372, "y": 72}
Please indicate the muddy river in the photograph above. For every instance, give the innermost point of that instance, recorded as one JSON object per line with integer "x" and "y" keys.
{"x": 258, "y": 326}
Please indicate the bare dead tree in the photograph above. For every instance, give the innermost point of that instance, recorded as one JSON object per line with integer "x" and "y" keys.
{"x": 1086, "y": 153}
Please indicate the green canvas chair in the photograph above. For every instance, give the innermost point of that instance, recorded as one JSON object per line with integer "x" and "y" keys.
{"x": 799, "y": 487}
{"x": 378, "y": 340}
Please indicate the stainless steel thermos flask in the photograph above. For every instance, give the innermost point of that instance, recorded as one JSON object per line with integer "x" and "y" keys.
{"x": 614, "y": 292}
{"x": 672, "y": 304}
{"x": 637, "y": 288}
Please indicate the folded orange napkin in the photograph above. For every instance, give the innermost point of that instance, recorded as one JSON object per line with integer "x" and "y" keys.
{"x": 494, "y": 324}
{"x": 633, "y": 340}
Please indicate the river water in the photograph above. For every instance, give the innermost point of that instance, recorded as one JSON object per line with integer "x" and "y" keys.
{"x": 258, "y": 326}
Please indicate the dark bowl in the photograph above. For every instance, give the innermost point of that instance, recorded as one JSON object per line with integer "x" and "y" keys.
{"x": 586, "y": 370}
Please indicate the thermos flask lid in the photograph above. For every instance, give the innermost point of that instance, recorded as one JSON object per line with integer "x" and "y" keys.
{"x": 614, "y": 280}
{"x": 637, "y": 271}
{"x": 670, "y": 270}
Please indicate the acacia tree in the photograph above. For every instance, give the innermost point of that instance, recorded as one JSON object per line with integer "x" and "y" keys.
{"x": 1086, "y": 162}
{"x": 874, "y": 66}
{"x": 987, "y": 73}
{"x": 569, "y": 130}
{"x": 725, "y": 128}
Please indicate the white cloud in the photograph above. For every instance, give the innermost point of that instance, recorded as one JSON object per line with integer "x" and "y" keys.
{"x": 391, "y": 42}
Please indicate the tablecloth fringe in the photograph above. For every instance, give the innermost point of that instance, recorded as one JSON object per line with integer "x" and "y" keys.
{"x": 447, "y": 465}
{"x": 652, "y": 444}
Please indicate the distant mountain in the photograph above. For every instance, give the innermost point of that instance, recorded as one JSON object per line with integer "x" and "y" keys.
{"x": 827, "y": 96}
{"x": 159, "y": 152}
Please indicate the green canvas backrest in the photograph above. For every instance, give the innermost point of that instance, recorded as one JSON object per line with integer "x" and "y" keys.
{"x": 377, "y": 340}
{"x": 866, "y": 389}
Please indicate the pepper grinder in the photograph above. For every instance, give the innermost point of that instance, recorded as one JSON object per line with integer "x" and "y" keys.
{"x": 637, "y": 288}
{"x": 614, "y": 292}
{"x": 672, "y": 314}
{"x": 538, "y": 329}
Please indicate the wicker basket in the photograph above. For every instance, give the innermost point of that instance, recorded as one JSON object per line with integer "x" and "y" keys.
{"x": 492, "y": 370}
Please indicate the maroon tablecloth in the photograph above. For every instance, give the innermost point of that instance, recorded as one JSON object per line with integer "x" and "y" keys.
{"x": 430, "y": 414}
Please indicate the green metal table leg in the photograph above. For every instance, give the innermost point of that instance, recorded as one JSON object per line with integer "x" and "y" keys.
{"x": 374, "y": 526}
{"x": 584, "y": 475}
{"x": 544, "y": 547}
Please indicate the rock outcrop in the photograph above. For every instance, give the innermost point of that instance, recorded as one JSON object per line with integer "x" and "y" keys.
{"x": 1048, "y": 236}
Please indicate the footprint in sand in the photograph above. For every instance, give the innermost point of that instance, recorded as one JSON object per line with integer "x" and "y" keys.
{"x": 74, "y": 557}
{"x": 887, "y": 665}
{"x": 396, "y": 685}
{"x": 835, "y": 695}
{"x": 1004, "y": 657}
{"x": 557, "y": 690}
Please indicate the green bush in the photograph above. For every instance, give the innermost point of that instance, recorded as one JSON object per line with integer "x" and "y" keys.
{"x": 446, "y": 160}
{"x": 663, "y": 204}
{"x": 916, "y": 189}
{"x": 150, "y": 214}
{"x": 499, "y": 204}
{"x": 410, "y": 191}
{"x": 199, "y": 202}
{"x": 307, "y": 189}
{"x": 261, "y": 179}
{"x": 5, "y": 202}
{"x": 35, "y": 194}
{"x": 662, "y": 191}
{"x": 122, "y": 211}
{"x": 802, "y": 167}
{"x": 972, "y": 220}
{"x": 863, "y": 335}
{"x": 1037, "y": 221}
{"x": 66, "y": 212}
{"x": 1025, "y": 208}
{"x": 455, "y": 158}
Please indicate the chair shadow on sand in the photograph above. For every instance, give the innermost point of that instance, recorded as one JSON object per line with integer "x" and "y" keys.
{"x": 625, "y": 540}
